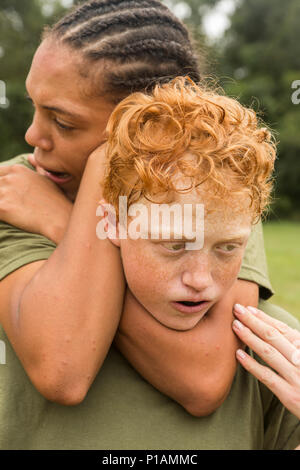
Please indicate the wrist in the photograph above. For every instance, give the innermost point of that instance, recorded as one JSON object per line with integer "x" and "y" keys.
{"x": 57, "y": 228}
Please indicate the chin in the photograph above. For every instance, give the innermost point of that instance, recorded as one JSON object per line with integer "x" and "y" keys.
{"x": 179, "y": 323}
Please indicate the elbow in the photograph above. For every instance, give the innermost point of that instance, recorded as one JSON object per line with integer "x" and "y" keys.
{"x": 63, "y": 390}
{"x": 206, "y": 398}
{"x": 202, "y": 407}
{"x": 62, "y": 394}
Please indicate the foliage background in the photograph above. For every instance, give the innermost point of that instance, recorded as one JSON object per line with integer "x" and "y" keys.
{"x": 257, "y": 58}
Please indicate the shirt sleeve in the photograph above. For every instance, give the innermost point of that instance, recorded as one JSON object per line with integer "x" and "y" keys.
{"x": 18, "y": 248}
{"x": 254, "y": 267}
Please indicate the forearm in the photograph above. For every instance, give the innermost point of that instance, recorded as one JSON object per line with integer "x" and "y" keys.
{"x": 68, "y": 313}
{"x": 195, "y": 367}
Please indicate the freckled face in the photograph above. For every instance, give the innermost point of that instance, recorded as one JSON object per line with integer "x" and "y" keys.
{"x": 67, "y": 127}
{"x": 178, "y": 286}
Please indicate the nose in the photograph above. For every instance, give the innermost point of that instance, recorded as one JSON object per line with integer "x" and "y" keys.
{"x": 38, "y": 136}
{"x": 197, "y": 273}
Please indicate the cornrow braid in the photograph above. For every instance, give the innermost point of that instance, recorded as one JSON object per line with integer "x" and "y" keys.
{"x": 135, "y": 43}
{"x": 137, "y": 49}
{"x": 126, "y": 20}
{"x": 91, "y": 9}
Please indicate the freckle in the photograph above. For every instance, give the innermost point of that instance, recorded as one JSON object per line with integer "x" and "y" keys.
{"x": 64, "y": 363}
{"x": 206, "y": 354}
{"x": 68, "y": 339}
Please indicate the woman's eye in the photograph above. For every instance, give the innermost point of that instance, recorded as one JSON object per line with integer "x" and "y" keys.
{"x": 174, "y": 247}
{"x": 63, "y": 126}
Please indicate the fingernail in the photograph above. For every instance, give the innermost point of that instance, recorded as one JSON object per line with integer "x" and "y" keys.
{"x": 296, "y": 357}
{"x": 237, "y": 324}
{"x": 239, "y": 309}
{"x": 253, "y": 310}
{"x": 241, "y": 354}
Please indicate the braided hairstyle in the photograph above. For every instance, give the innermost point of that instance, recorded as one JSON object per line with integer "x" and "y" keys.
{"x": 139, "y": 42}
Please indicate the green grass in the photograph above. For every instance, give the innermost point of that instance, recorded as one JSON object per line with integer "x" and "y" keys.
{"x": 282, "y": 244}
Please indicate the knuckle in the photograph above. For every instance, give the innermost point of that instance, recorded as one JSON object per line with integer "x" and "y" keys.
{"x": 294, "y": 399}
{"x": 268, "y": 377}
{"x": 283, "y": 328}
{"x": 296, "y": 357}
{"x": 268, "y": 350}
{"x": 296, "y": 343}
{"x": 271, "y": 333}
{"x": 16, "y": 168}
{"x": 295, "y": 378}
{"x": 13, "y": 169}
{"x": 4, "y": 180}
{"x": 3, "y": 209}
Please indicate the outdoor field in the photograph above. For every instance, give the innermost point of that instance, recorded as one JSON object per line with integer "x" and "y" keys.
{"x": 282, "y": 244}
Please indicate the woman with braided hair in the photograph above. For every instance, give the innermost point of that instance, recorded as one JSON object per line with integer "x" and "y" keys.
{"x": 60, "y": 307}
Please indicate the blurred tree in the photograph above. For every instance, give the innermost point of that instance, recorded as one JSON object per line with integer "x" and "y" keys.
{"x": 192, "y": 13}
{"x": 257, "y": 60}
{"x": 261, "y": 51}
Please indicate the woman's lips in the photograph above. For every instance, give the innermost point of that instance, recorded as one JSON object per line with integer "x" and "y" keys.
{"x": 60, "y": 180}
{"x": 184, "y": 308}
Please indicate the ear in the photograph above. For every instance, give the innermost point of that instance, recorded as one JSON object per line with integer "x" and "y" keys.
{"x": 107, "y": 227}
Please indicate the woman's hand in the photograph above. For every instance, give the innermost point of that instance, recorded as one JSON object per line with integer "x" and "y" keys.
{"x": 31, "y": 202}
{"x": 279, "y": 347}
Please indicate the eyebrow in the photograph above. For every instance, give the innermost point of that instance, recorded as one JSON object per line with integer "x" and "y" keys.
{"x": 180, "y": 237}
{"x": 57, "y": 110}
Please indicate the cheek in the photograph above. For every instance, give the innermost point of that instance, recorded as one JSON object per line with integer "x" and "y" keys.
{"x": 75, "y": 152}
{"x": 144, "y": 275}
{"x": 226, "y": 274}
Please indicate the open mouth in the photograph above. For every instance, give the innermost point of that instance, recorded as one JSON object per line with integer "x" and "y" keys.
{"x": 58, "y": 174}
{"x": 190, "y": 304}
{"x": 186, "y": 306}
{"x": 58, "y": 177}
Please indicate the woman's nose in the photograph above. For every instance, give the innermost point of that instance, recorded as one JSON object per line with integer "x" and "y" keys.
{"x": 36, "y": 136}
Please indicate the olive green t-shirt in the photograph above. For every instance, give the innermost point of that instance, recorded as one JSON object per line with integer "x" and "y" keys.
{"x": 123, "y": 411}
{"x": 18, "y": 248}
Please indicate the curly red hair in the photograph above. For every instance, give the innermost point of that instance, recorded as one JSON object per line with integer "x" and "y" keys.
{"x": 150, "y": 136}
